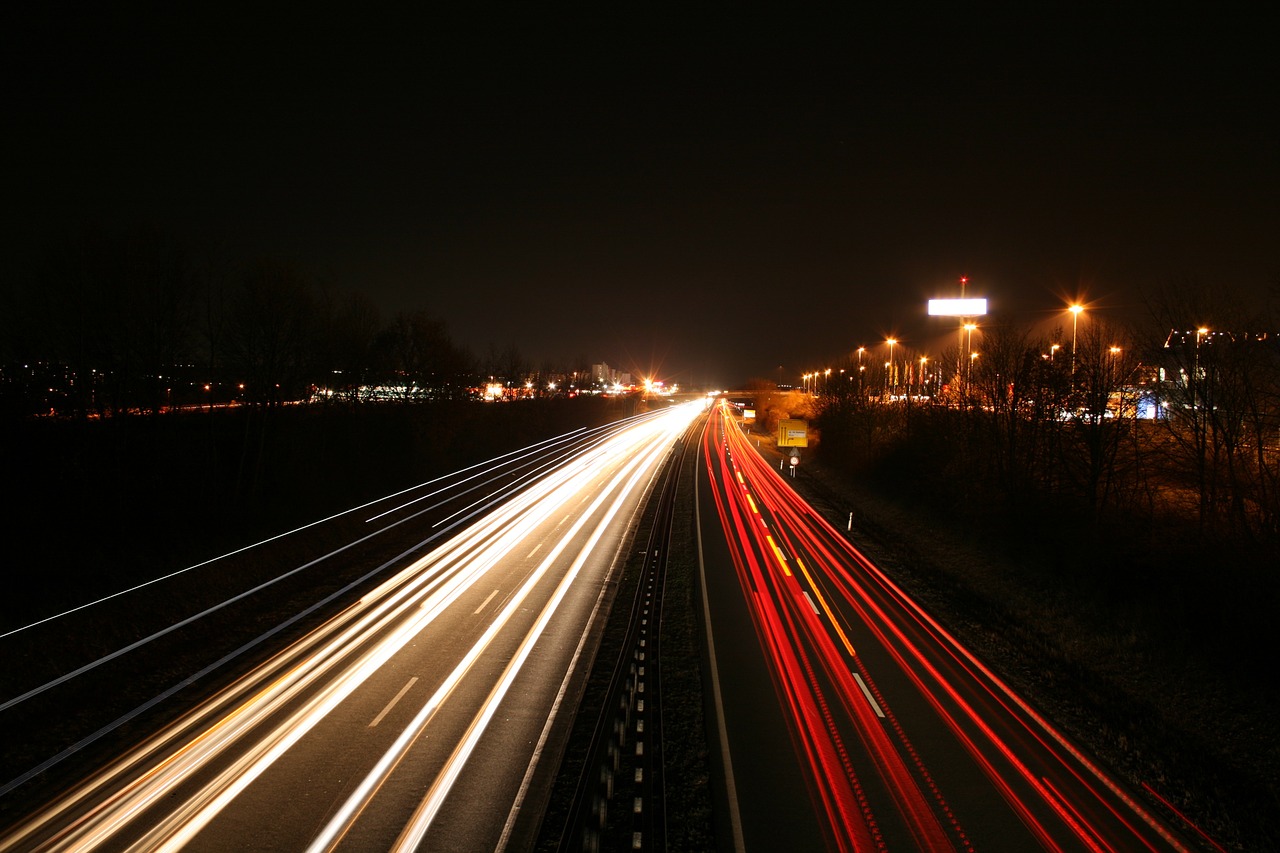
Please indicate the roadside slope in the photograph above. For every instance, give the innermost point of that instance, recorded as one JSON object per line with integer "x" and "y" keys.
{"x": 1196, "y": 738}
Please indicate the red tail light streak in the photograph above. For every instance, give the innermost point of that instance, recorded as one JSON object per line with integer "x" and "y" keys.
{"x": 907, "y": 737}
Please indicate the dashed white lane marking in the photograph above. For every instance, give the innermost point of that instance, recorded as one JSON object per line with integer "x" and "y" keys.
{"x": 485, "y": 603}
{"x": 875, "y": 706}
{"x": 811, "y": 604}
{"x": 392, "y": 703}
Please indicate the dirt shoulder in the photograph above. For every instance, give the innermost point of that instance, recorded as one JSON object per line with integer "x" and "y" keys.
{"x": 1179, "y": 727}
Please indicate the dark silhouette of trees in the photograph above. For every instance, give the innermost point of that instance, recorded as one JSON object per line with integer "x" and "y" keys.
{"x": 270, "y": 331}
{"x": 1102, "y": 409}
{"x": 346, "y": 357}
{"x": 1007, "y": 377}
{"x": 119, "y": 313}
{"x": 120, "y": 323}
{"x": 507, "y": 366}
{"x": 1222, "y": 362}
{"x": 422, "y": 357}
{"x": 859, "y": 425}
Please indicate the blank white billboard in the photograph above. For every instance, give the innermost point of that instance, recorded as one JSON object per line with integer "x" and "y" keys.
{"x": 958, "y": 307}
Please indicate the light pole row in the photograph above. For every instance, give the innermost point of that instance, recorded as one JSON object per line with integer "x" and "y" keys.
{"x": 964, "y": 367}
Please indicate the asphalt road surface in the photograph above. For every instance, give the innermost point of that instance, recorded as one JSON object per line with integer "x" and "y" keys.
{"x": 850, "y": 719}
{"x": 426, "y": 714}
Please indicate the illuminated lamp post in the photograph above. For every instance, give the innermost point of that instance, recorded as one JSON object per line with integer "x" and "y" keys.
{"x": 968, "y": 347}
{"x": 890, "y": 379}
{"x": 1195, "y": 371}
{"x": 1075, "y": 317}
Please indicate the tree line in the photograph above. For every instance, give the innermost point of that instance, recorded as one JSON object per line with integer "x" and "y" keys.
{"x": 139, "y": 322}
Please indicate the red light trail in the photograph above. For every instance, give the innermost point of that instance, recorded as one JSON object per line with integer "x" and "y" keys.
{"x": 870, "y": 751}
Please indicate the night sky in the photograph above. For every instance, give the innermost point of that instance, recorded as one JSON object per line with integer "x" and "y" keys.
{"x": 707, "y": 195}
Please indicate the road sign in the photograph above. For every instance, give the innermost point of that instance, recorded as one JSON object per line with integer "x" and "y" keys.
{"x": 793, "y": 433}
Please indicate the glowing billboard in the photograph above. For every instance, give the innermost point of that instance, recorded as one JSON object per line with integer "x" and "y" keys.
{"x": 958, "y": 307}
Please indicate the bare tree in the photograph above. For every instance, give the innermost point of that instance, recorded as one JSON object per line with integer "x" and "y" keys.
{"x": 1220, "y": 357}
{"x": 348, "y": 327}
{"x": 270, "y": 330}
{"x": 854, "y": 426}
{"x": 1103, "y": 403}
{"x": 120, "y": 312}
{"x": 423, "y": 356}
{"x": 1007, "y": 378}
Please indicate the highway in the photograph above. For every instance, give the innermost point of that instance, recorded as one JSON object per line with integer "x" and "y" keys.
{"x": 424, "y": 715}
{"x": 849, "y": 719}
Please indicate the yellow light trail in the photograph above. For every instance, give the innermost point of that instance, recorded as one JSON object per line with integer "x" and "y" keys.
{"x": 777, "y": 552}
{"x": 826, "y": 608}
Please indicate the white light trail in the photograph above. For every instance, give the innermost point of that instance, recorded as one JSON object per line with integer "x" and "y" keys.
{"x": 350, "y": 810}
{"x": 308, "y": 680}
{"x": 416, "y": 829}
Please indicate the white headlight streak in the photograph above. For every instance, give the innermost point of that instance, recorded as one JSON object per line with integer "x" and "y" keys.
{"x": 172, "y": 787}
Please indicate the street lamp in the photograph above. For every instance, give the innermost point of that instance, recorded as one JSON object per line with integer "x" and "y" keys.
{"x": 968, "y": 347}
{"x": 893, "y": 385}
{"x": 1195, "y": 371}
{"x": 923, "y": 359}
{"x": 1075, "y": 316}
